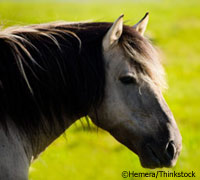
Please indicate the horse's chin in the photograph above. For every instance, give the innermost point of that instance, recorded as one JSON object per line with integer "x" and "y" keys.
{"x": 147, "y": 158}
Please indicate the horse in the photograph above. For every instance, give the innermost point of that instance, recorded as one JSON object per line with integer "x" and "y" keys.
{"x": 53, "y": 74}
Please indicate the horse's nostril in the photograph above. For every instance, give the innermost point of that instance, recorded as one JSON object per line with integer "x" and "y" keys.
{"x": 171, "y": 150}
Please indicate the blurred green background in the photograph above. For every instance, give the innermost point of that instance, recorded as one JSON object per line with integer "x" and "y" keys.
{"x": 174, "y": 27}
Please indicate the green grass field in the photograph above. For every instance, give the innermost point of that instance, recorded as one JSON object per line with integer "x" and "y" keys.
{"x": 175, "y": 28}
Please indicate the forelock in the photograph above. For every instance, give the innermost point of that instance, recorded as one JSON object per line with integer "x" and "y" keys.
{"x": 144, "y": 55}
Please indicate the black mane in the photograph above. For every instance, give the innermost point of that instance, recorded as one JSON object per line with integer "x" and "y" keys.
{"x": 66, "y": 77}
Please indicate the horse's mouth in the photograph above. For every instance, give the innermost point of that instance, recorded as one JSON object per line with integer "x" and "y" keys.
{"x": 150, "y": 160}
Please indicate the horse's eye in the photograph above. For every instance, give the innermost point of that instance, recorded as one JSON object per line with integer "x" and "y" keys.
{"x": 127, "y": 79}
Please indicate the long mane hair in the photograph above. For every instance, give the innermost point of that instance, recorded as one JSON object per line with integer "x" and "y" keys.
{"x": 51, "y": 70}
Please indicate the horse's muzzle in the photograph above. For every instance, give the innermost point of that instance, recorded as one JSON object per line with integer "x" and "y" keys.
{"x": 155, "y": 157}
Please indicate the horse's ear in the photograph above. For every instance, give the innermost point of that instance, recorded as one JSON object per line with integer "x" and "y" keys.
{"x": 142, "y": 24}
{"x": 114, "y": 33}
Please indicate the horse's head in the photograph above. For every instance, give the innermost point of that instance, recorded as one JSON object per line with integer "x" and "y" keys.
{"x": 133, "y": 109}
